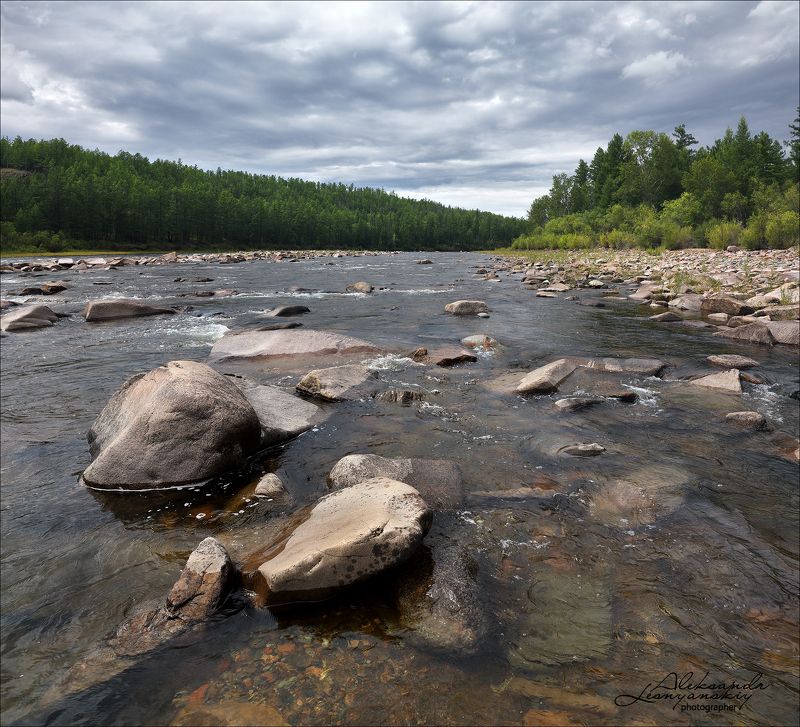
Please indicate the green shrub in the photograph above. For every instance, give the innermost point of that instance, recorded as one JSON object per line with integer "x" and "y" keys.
{"x": 618, "y": 239}
{"x": 723, "y": 234}
{"x": 783, "y": 230}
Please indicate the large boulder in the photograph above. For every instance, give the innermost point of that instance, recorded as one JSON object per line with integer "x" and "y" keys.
{"x": 725, "y": 381}
{"x": 345, "y": 538}
{"x": 724, "y": 304}
{"x": 339, "y": 383}
{"x": 179, "y": 423}
{"x": 787, "y": 332}
{"x": 466, "y": 307}
{"x": 286, "y": 344}
{"x": 283, "y": 416}
{"x": 546, "y": 378}
{"x": 446, "y": 356}
{"x": 108, "y": 310}
{"x": 640, "y": 366}
{"x": 27, "y": 317}
{"x": 750, "y": 333}
{"x": 438, "y": 481}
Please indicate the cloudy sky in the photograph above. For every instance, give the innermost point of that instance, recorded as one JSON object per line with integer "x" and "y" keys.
{"x": 472, "y": 104}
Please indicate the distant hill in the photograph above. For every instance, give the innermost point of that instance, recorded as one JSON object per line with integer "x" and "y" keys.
{"x": 54, "y": 192}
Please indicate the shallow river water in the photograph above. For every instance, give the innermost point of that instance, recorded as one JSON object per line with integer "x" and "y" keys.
{"x": 674, "y": 552}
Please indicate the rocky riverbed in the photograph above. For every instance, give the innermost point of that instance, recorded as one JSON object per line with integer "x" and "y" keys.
{"x": 330, "y": 488}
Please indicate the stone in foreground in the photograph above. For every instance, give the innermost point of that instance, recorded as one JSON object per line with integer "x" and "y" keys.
{"x": 438, "y": 481}
{"x": 725, "y": 381}
{"x": 109, "y": 310}
{"x": 466, "y": 307}
{"x": 546, "y": 378}
{"x": 283, "y": 344}
{"x": 202, "y": 585}
{"x": 732, "y": 361}
{"x": 177, "y": 424}
{"x": 28, "y": 317}
{"x": 346, "y": 537}
{"x": 339, "y": 383}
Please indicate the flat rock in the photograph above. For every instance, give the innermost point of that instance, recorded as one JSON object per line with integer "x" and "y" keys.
{"x": 177, "y": 424}
{"x": 725, "y": 381}
{"x": 750, "y": 333}
{"x": 282, "y": 415}
{"x": 438, "y": 481}
{"x": 339, "y": 383}
{"x": 667, "y": 317}
{"x": 640, "y": 366}
{"x": 107, "y": 310}
{"x": 575, "y": 403}
{"x": 732, "y": 360}
{"x": 786, "y": 332}
{"x": 546, "y": 378}
{"x": 466, "y": 307}
{"x": 348, "y": 536}
{"x": 749, "y": 420}
{"x": 27, "y": 317}
{"x": 283, "y": 344}
{"x": 287, "y": 310}
{"x": 688, "y": 302}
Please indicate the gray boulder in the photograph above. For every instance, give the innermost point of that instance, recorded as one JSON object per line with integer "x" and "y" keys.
{"x": 786, "y": 332}
{"x": 339, "y": 383}
{"x": 750, "y": 333}
{"x": 725, "y": 381}
{"x": 438, "y": 481}
{"x": 466, "y": 307}
{"x": 732, "y": 361}
{"x": 27, "y": 317}
{"x": 546, "y": 378}
{"x": 179, "y": 423}
{"x": 724, "y": 304}
{"x": 284, "y": 344}
{"x": 108, "y": 310}
{"x": 688, "y": 302}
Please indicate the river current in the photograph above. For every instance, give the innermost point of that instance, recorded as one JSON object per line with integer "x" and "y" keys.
{"x": 596, "y": 594}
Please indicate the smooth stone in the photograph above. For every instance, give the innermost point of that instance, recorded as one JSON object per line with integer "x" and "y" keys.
{"x": 286, "y": 344}
{"x": 348, "y": 536}
{"x": 732, "y": 360}
{"x": 736, "y": 321}
{"x": 546, "y": 378}
{"x": 751, "y": 333}
{"x": 439, "y": 481}
{"x": 177, "y": 424}
{"x": 480, "y": 340}
{"x": 483, "y": 315}
{"x": 282, "y": 415}
{"x": 107, "y": 310}
{"x": 750, "y": 420}
{"x": 466, "y": 307}
{"x": 576, "y": 403}
{"x": 287, "y": 310}
{"x": 721, "y": 318}
{"x": 641, "y": 366}
{"x": 667, "y": 317}
{"x": 360, "y": 287}
{"x": 688, "y": 302}
{"x": 582, "y": 450}
{"x": 724, "y": 304}
{"x": 27, "y": 317}
{"x": 786, "y": 332}
{"x": 339, "y": 383}
{"x": 270, "y": 485}
{"x": 725, "y": 381}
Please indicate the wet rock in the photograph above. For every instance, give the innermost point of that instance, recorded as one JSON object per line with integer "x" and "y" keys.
{"x": 425, "y": 262}
{"x": 734, "y": 361}
{"x": 645, "y": 292}
{"x": 400, "y": 396}
{"x": 49, "y": 288}
{"x": 483, "y": 315}
{"x": 667, "y": 317}
{"x": 270, "y": 485}
{"x": 107, "y": 310}
{"x": 449, "y": 356}
{"x": 179, "y": 423}
{"x": 282, "y": 415}
{"x": 339, "y": 383}
{"x": 438, "y": 600}
{"x": 576, "y": 403}
{"x": 751, "y": 333}
{"x": 438, "y": 481}
{"x": 27, "y": 317}
{"x": 751, "y": 378}
{"x": 287, "y": 310}
{"x": 726, "y": 381}
{"x": 749, "y": 420}
{"x": 555, "y": 288}
{"x": 545, "y": 294}
{"x": 360, "y": 287}
{"x": 229, "y": 713}
{"x": 689, "y": 302}
{"x": 345, "y": 538}
{"x": 582, "y": 450}
{"x": 546, "y": 378}
{"x": 786, "y": 332}
{"x": 720, "y": 318}
{"x": 640, "y": 366}
{"x": 724, "y": 304}
{"x": 4, "y": 304}
{"x": 466, "y": 307}
{"x": 479, "y": 340}
{"x": 283, "y": 344}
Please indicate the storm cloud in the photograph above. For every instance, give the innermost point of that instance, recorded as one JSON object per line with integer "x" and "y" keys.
{"x": 471, "y": 104}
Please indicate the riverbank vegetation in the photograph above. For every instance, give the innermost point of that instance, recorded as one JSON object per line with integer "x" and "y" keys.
{"x": 651, "y": 190}
{"x": 57, "y": 195}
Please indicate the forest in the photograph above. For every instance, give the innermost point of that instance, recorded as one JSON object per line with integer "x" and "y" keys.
{"x": 57, "y": 195}
{"x": 653, "y": 190}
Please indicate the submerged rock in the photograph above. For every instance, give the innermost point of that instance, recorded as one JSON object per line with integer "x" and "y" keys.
{"x": 345, "y": 538}
{"x": 107, "y": 310}
{"x": 480, "y": 340}
{"x": 732, "y": 360}
{"x": 438, "y": 481}
{"x": 466, "y": 307}
{"x": 229, "y": 713}
{"x": 750, "y": 420}
{"x": 339, "y": 383}
{"x": 286, "y": 344}
{"x": 179, "y": 423}
{"x": 287, "y": 310}
{"x": 726, "y": 381}
{"x": 28, "y": 317}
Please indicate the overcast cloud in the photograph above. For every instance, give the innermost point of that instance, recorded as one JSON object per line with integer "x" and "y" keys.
{"x": 471, "y": 104}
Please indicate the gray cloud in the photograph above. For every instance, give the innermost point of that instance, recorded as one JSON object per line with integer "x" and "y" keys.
{"x": 471, "y": 104}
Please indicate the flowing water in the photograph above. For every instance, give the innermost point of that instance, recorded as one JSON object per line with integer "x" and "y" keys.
{"x": 675, "y": 551}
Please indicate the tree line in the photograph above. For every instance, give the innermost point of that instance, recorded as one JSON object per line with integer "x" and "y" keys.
{"x": 654, "y": 190}
{"x": 56, "y": 194}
